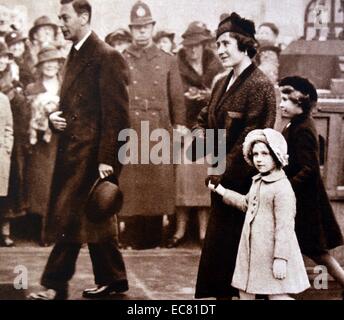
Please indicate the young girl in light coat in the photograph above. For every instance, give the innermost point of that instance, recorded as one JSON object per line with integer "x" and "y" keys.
{"x": 269, "y": 261}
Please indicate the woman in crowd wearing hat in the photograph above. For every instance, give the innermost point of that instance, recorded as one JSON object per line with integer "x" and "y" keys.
{"x": 165, "y": 41}
{"x": 240, "y": 103}
{"x": 6, "y": 145}
{"x": 316, "y": 226}
{"x": 268, "y": 33}
{"x": 269, "y": 50}
{"x": 269, "y": 260}
{"x": 197, "y": 66}
{"x": 17, "y": 196}
{"x": 16, "y": 43}
{"x": 43, "y": 99}
{"x": 120, "y": 39}
{"x": 43, "y": 33}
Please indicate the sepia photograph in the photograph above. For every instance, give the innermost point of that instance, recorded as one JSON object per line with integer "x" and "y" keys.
{"x": 159, "y": 150}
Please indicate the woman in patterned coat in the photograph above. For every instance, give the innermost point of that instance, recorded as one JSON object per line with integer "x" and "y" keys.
{"x": 240, "y": 103}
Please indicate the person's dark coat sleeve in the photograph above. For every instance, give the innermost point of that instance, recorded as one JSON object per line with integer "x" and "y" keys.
{"x": 176, "y": 95}
{"x": 114, "y": 107}
{"x": 306, "y": 157}
{"x": 198, "y": 131}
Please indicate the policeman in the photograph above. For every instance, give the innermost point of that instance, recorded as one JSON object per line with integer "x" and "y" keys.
{"x": 156, "y": 96}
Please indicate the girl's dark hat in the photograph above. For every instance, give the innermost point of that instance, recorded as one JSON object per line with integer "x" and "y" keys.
{"x": 302, "y": 85}
{"x": 237, "y": 24}
{"x": 40, "y": 22}
{"x": 105, "y": 199}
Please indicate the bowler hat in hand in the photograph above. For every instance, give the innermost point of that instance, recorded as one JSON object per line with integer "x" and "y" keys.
{"x": 105, "y": 199}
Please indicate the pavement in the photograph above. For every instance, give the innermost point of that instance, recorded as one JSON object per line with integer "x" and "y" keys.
{"x": 157, "y": 274}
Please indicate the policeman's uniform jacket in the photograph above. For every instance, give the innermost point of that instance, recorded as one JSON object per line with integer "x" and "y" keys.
{"x": 155, "y": 95}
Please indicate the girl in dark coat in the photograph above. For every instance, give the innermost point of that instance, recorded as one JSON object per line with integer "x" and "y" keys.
{"x": 240, "y": 103}
{"x": 316, "y": 226}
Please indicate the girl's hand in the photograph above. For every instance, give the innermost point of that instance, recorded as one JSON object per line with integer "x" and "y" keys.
{"x": 279, "y": 269}
{"x": 211, "y": 186}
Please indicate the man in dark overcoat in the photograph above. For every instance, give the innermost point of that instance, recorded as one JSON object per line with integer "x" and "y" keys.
{"x": 93, "y": 110}
{"x": 156, "y": 98}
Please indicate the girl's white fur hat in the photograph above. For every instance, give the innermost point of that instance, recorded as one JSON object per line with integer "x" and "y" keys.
{"x": 272, "y": 138}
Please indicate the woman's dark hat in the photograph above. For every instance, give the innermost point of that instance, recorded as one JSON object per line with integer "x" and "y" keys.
{"x": 162, "y": 34}
{"x": 119, "y": 34}
{"x": 49, "y": 53}
{"x": 105, "y": 199}
{"x": 14, "y": 37}
{"x": 268, "y": 47}
{"x": 40, "y": 22}
{"x": 196, "y": 33}
{"x": 237, "y": 24}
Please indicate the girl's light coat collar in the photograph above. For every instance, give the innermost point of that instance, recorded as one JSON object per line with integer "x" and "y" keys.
{"x": 272, "y": 177}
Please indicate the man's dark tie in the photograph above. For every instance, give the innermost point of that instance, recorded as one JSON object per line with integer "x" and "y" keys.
{"x": 70, "y": 59}
{"x": 72, "y": 55}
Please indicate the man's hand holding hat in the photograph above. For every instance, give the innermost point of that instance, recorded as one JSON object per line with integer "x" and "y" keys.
{"x": 105, "y": 170}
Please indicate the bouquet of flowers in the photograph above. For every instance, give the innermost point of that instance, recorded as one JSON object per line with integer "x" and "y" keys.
{"x": 41, "y": 106}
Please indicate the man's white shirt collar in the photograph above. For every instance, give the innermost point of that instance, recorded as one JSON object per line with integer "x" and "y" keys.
{"x": 82, "y": 41}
